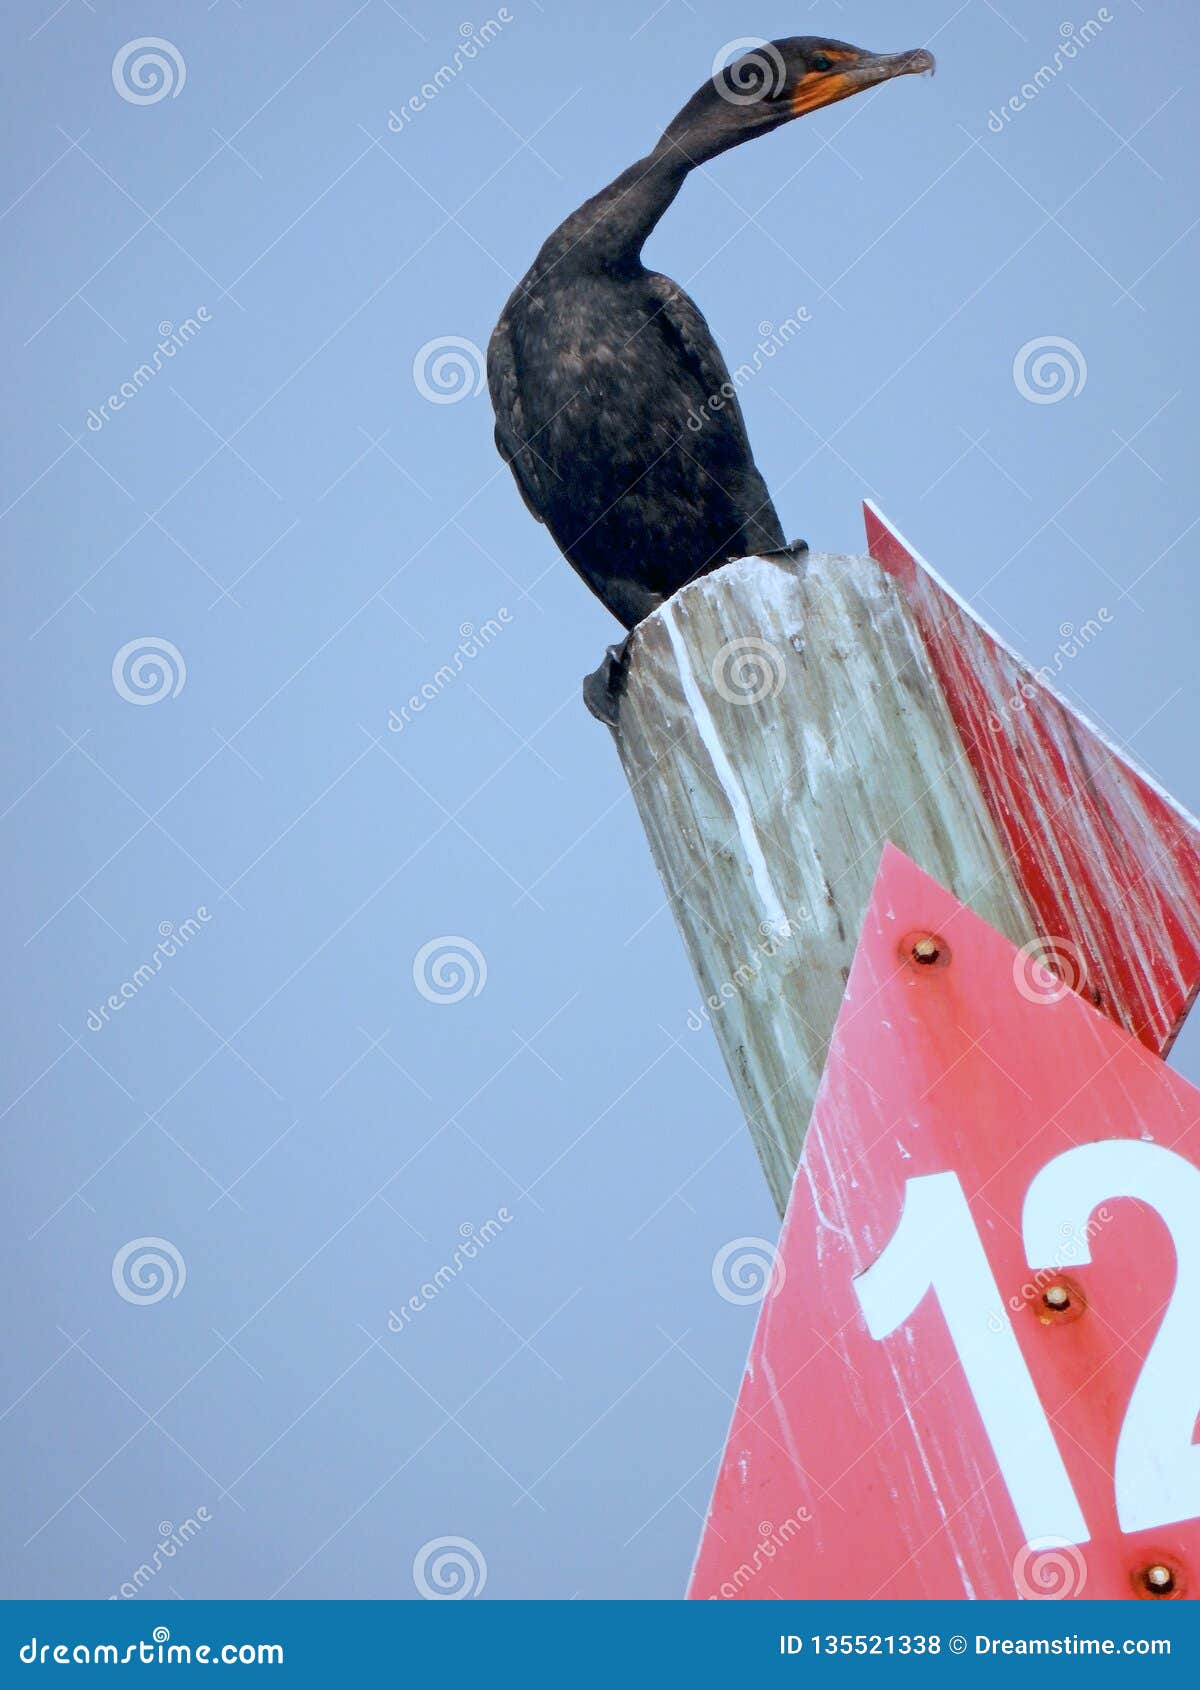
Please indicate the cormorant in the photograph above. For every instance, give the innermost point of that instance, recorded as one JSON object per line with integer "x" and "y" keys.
{"x": 597, "y": 363}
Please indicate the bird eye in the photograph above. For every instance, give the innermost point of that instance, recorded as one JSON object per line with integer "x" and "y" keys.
{"x": 822, "y": 63}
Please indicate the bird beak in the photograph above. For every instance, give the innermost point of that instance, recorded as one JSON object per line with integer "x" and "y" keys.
{"x": 852, "y": 75}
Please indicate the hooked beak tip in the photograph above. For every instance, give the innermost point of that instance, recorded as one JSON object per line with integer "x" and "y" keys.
{"x": 873, "y": 68}
{"x": 919, "y": 62}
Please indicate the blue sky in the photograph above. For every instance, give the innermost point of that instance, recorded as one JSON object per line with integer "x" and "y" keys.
{"x": 304, "y": 504}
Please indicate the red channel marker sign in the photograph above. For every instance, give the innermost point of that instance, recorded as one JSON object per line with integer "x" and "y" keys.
{"x": 976, "y": 1371}
{"x": 1108, "y": 863}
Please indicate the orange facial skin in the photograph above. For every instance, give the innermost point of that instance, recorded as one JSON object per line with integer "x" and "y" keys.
{"x": 852, "y": 72}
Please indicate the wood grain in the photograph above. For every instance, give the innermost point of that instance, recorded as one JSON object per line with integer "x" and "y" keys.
{"x": 781, "y": 721}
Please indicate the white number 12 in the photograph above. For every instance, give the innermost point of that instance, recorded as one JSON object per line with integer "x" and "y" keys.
{"x": 937, "y": 1247}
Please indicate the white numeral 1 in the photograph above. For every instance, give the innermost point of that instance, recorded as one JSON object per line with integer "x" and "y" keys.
{"x": 936, "y": 1247}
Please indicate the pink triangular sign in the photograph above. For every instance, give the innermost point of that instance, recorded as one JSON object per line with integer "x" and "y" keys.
{"x": 975, "y": 1372}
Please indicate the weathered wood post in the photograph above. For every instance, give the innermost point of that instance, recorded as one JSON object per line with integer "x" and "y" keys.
{"x": 782, "y": 721}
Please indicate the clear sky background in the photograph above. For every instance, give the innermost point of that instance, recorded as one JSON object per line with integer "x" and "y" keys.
{"x": 311, "y": 532}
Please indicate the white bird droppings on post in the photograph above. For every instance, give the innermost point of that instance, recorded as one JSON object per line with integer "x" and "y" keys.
{"x": 772, "y": 909}
{"x": 767, "y": 813}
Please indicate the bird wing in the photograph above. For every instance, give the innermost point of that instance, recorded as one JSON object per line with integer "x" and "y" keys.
{"x": 683, "y": 322}
{"x": 682, "y": 319}
{"x": 511, "y": 441}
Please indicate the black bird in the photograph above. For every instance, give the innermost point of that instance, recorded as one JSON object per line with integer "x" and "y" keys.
{"x": 597, "y": 363}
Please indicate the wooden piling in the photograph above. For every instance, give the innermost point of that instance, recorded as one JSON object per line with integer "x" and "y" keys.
{"x": 780, "y": 722}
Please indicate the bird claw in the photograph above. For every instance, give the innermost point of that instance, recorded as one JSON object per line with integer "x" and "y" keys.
{"x": 602, "y": 689}
{"x": 795, "y": 553}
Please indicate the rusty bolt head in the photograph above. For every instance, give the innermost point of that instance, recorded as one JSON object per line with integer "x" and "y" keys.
{"x": 924, "y": 949}
{"x": 1057, "y": 1302}
{"x": 1159, "y": 1579}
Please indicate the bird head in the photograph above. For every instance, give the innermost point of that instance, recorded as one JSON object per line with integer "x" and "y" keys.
{"x": 775, "y": 81}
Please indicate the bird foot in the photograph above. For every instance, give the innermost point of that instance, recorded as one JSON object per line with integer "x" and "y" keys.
{"x": 602, "y": 689}
{"x": 797, "y": 549}
{"x": 795, "y": 553}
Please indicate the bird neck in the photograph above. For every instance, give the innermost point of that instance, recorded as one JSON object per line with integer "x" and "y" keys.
{"x": 609, "y": 230}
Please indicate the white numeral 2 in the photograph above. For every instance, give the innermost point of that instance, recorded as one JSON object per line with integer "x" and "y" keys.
{"x": 937, "y": 1247}
{"x": 1157, "y": 1470}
